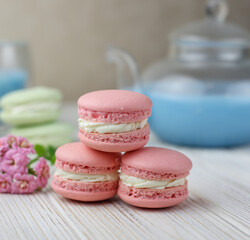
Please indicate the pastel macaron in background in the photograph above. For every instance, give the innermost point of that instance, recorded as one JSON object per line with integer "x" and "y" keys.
{"x": 114, "y": 120}
{"x": 50, "y": 134}
{"x": 85, "y": 174}
{"x": 31, "y": 106}
{"x": 154, "y": 177}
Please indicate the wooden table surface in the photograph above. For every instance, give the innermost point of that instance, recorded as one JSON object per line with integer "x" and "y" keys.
{"x": 218, "y": 206}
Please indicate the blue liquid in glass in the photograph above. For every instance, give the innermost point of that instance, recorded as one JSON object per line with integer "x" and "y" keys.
{"x": 11, "y": 80}
{"x": 206, "y": 121}
{"x": 204, "y": 115}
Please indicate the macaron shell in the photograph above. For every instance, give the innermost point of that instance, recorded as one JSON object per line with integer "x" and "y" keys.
{"x": 158, "y": 160}
{"x": 78, "y": 153}
{"x": 83, "y": 196}
{"x": 30, "y": 95}
{"x": 54, "y": 134}
{"x": 128, "y": 141}
{"x": 113, "y": 117}
{"x": 148, "y": 198}
{"x": 33, "y": 118}
{"x": 115, "y": 101}
{"x": 83, "y": 169}
{"x": 139, "y": 173}
{"x": 147, "y": 203}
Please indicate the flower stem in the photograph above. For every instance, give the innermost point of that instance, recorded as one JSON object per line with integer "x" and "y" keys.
{"x": 32, "y": 161}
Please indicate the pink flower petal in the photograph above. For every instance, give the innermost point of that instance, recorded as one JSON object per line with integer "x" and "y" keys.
{"x": 42, "y": 171}
{"x": 5, "y": 183}
{"x": 23, "y": 183}
{"x": 14, "y": 161}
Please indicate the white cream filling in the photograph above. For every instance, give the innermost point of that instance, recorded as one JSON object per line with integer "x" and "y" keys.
{"x": 131, "y": 181}
{"x": 87, "y": 177}
{"x": 100, "y": 127}
{"x": 34, "y": 107}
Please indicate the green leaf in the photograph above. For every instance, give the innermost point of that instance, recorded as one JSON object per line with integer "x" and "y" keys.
{"x": 32, "y": 161}
{"x": 40, "y": 150}
{"x": 51, "y": 151}
{"x": 53, "y": 160}
{"x": 47, "y": 152}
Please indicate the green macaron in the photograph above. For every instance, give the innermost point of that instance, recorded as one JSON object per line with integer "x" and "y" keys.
{"x": 54, "y": 134}
{"x": 31, "y": 106}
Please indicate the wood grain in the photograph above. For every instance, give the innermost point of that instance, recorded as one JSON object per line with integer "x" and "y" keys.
{"x": 218, "y": 207}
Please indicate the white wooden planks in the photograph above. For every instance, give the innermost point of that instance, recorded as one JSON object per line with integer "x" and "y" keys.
{"x": 218, "y": 207}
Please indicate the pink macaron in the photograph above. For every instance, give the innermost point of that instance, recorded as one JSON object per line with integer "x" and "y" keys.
{"x": 85, "y": 174}
{"x": 154, "y": 177}
{"x": 114, "y": 120}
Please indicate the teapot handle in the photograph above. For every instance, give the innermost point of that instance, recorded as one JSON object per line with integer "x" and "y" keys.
{"x": 125, "y": 64}
{"x": 217, "y": 10}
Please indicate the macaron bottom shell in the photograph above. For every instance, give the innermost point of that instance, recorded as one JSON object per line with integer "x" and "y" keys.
{"x": 153, "y": 198}
{"x": 116, "y": 142}
{"x": 29, "y": 119}
{"x": 84, "y": 191}
{"x": 54, "y": 134}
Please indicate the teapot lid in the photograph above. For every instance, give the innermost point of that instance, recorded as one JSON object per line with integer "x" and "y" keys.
{"x": 212, "y": 31}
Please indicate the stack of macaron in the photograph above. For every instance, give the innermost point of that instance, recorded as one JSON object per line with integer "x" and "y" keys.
{"x": 111, "y": 122}
{"x": 33, "y": 113}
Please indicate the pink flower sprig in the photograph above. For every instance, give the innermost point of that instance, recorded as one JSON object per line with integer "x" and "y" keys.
{"x": 16, "y": 173}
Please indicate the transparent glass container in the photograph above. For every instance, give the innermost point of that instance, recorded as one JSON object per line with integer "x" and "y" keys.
{"x": 14, "y": 66}
{"x": 201, "y": 91}
{"x": 14, "y": 69}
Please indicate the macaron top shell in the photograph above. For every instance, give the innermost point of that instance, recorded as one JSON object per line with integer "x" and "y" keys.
{"x": 157, "y": 160}
{"x": 31, "y": 95}
{"x": 79, "y": 154}
{"x": 115, "y": 101}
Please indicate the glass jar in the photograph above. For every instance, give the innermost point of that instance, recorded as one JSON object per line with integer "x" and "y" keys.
{"x": 14, "y": 69}
{"x": 14, "y": 66}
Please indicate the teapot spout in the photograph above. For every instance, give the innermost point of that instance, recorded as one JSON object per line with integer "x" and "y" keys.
{"x": 127, "y": 70}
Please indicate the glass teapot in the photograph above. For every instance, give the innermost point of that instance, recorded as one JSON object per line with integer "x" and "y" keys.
{"x": 201, "y": 91}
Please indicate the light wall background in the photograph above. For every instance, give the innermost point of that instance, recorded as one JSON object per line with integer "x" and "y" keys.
{"x": 68, "y": 38}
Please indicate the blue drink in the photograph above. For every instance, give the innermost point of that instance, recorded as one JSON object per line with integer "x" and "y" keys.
{"x": 11, "y": 80}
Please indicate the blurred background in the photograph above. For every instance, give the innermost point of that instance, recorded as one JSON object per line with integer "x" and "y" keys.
{"x": 68, "y": 39}
{"x": 190, "y": 57}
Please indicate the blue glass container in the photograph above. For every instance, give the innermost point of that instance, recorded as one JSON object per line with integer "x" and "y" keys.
{"x": 14, "y": 66}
